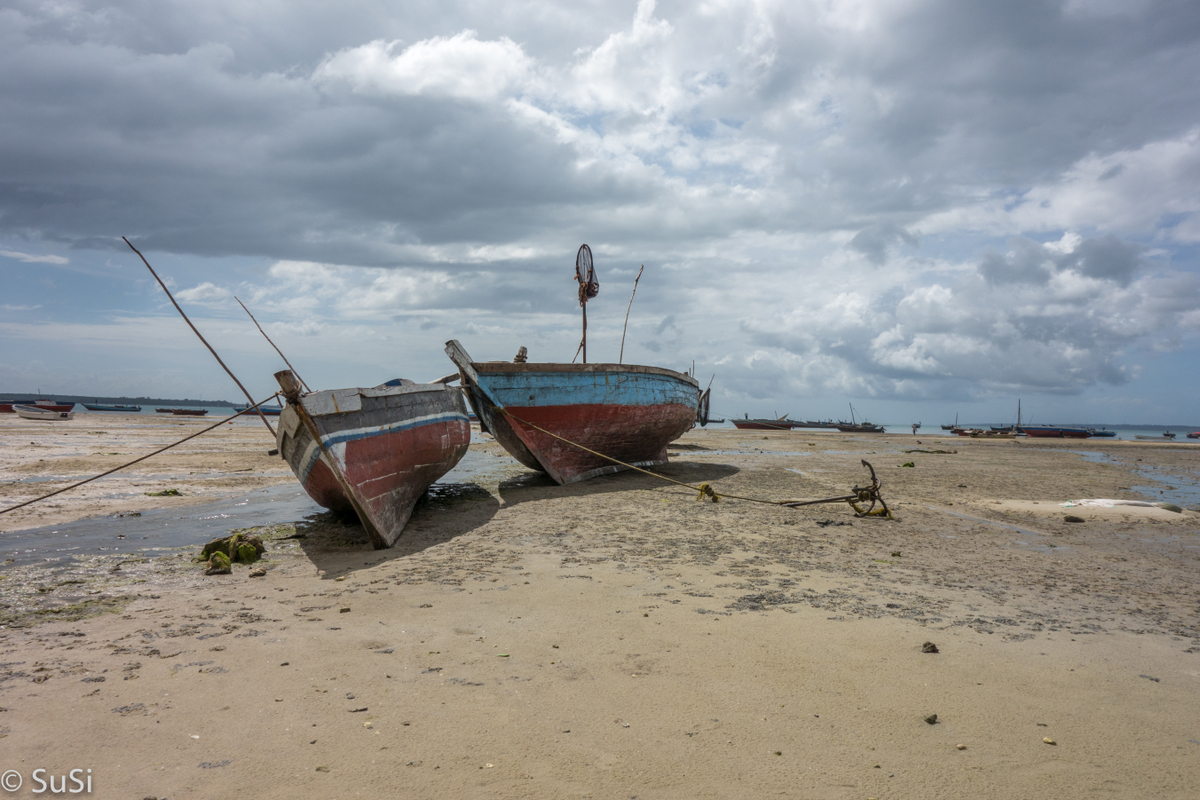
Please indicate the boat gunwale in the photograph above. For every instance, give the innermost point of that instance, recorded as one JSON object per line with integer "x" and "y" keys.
{"x": 494, "y": 367}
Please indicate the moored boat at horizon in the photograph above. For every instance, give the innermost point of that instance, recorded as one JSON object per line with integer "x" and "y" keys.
{"x": 102, "y": 407}
{"x": 372, "y": 451}
{"x": 41, "y": 412}
{"x": 188, "y": 412}
{"x": 270, "y": 411}
{"x": 624, "y": 411}
{"x": 1055, "y": 432}
{"x": 1102, "y": 432}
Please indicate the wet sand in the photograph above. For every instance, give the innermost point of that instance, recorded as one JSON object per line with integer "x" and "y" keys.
{"x": 617, "y": 638}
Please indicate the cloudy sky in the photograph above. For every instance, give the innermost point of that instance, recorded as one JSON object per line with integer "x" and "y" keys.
{"x": 917, "y": 207}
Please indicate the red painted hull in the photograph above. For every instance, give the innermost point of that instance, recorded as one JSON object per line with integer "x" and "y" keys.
{"x": 636, "y": 435}
{"x": 389, "y": 473}
{"x": 7, "y": 408}
{"x": 380, "y": 449}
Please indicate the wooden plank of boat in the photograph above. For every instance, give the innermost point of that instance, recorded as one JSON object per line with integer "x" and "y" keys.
{"x": 627, "y": 412}
{"x": 372, "y": 451}
{"x": 34, "y": 412}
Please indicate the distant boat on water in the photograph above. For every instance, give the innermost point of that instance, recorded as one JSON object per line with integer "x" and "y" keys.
{"x": 626, "y": 412}
{"x": 41, "y": 412}
{"x": 1102, "y": 432}
{"x": 270, "y": 411}
{"x": 1055, "y": 432}
{"x": 187, "y": 412}
{"x": 951, "y": 427}
{"x": 1160, "y": 437}
{"x": 102, "y": 407}
{"x": 372, "y": 451}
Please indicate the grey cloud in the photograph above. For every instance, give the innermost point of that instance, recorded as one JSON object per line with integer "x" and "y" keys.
{"x": 1026, "y": 262}
{"x": 1108, "y": 258}
{"x": 875, "y": 241}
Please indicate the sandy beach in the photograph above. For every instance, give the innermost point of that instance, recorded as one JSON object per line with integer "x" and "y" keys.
{"x": 616, "y": 638}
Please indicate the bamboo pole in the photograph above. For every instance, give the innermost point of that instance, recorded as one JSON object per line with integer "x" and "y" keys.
{"x": 249, "y": 399}
{"x": 277, "y": 350}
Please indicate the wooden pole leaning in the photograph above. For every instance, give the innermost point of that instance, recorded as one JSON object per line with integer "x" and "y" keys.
{"x": 249, "y": 399}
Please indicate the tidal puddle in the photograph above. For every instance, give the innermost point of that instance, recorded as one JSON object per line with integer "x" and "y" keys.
{"x": 153, "y": 532}
{"x": 157, "y": 530}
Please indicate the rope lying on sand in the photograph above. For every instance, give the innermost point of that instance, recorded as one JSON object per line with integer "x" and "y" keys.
{"x": 136, "y": 460}
{"x": 860, "y": 494}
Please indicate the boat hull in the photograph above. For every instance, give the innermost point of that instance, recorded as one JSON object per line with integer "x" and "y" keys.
{"x": 379, "y": 450}
{"x": 268, "y": 411}
{"x": 626, "y": 412}
{"x": 764, "y": 425}
{"x": 10, "y": 408}
{"x": 42, "y": 413}
{"x": 98, "y": 407}
{"x": 1056, "y": 433}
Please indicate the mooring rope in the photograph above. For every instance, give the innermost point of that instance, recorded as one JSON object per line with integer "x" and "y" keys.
{"x": 705, "y": 489}
{"x": 135, "y": 461}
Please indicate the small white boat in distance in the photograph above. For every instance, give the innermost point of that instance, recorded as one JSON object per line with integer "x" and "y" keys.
{"x": 33, "y": 412}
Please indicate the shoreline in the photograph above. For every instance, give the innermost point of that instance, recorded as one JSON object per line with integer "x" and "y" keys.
{"x": 616, "y": 636}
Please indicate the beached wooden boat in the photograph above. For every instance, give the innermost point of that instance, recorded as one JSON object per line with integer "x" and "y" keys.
{"x": 860, "y": 427}
{"x": 854, "y": 426}
{"x": 1158, "y": 437}
{"x": 781, "y": 424}
{"x": 102, "y": 407}
{"x": 1194, "y": 435}
{"x": 36, "y": 412}
{"x": 45, "y": 405}
{"x": 626, "y": 412}
{"x": 189, "y": 412}
{"x": 372, "y": 451}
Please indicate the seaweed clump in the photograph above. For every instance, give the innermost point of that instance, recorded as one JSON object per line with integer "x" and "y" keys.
{"x": 222, "y": 553}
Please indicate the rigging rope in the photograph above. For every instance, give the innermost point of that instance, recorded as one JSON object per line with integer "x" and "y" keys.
{"x": 861, "y": 494}
{"x": 136, "y": 460}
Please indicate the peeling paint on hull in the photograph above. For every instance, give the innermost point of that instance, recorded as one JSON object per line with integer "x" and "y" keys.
{"x": 627, "y": 412}
{"x": 389, "y": 444}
